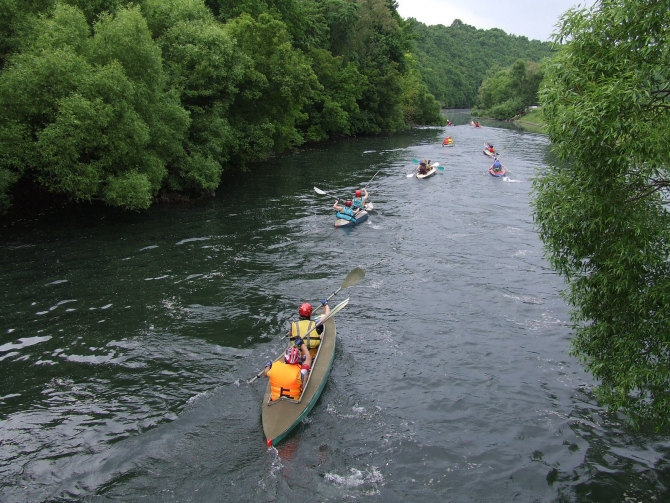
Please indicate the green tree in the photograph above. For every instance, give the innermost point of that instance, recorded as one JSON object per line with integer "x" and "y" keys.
{"x": 87, "y": 115}
{"x": 278, "y": 82}
{"x": 455, "y": 60}
{"x": 508, "y": 92}
{"x": 603, "y": 214}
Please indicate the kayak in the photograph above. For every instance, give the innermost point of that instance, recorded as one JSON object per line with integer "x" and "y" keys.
{"x": 497, "y": 173}
{"x": 361, "y": 216}
{"x": 430, "y": 173}
{"x": 281, "y": 416}
{"x": 489, "y": 153}
{"x": 448, "y": 142}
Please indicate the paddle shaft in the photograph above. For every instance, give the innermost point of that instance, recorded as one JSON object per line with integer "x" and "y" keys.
{"x": 354, "y": 276}
{"x": 366, "y": 185}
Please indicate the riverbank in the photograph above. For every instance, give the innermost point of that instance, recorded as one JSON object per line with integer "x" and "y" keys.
{"x": 532, "y": 121}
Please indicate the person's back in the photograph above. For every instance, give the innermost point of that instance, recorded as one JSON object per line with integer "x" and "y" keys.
{"x": 359, "y": 199}
{"x": 287, "y": 376}
{"x": 345, "y": 212}
{"x": 285, "y": 381}
{"x": 497, "y": 166}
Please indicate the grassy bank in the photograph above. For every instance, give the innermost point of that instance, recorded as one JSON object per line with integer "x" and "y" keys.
{"x": 531, "y": 121}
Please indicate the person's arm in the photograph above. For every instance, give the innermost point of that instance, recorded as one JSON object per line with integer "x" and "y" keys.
{"x": 308, "y": 357}
{"x": 268, "y": 366}
{"x": 326, "y": 311}
{"x": 366, "y": 194}
{"x": 337, "y": 206}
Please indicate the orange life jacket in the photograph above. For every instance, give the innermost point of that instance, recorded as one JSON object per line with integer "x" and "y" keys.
{"x": 285, "y": 380}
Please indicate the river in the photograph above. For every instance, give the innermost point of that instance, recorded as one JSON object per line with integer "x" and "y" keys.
{"x": 127, "y": 340}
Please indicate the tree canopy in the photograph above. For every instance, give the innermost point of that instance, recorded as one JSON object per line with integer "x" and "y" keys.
{"x": 603, "y": 212}
{"x": 454, "y": 60}
{"x": 120, "y": 101}
{"x": 508, "y": 92}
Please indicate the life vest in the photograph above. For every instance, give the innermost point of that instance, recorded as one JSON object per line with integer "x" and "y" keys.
{"x": 496, "y": 165}
{"x": 301, "y": 329}
{"x": 347, "y": 214}
{"x": 285, "y": 380}
{"x": 358, "y": 202}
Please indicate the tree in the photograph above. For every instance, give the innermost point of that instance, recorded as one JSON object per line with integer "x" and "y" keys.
{"x": 508, "y": 92}
{"x": 454, "y": 60}
{"x": 603, "y": 213}
{"x": 87, "y": 115}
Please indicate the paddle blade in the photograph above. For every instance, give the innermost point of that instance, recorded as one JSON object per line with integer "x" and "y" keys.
{"x": 415, "y": 161}
{"x": 440, "y": 168}
{"x": 410, "y": 175}
{"x": 435, "y": 165}
{"x": 353, "y": 277}
{"x": 336, "y": 309}
{"x": 319, "y": 191}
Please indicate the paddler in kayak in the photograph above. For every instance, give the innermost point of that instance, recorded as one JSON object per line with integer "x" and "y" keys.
{"x": 423, "y": 168}
{"x": 288, "y": 376}
{"x": 497, "y": 165}
{"x": 345, "y": 212}
{"x": 359, "y": 200}
{"x": 302, "y": 329}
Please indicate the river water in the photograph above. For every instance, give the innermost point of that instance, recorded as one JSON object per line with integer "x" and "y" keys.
{"x": 126, "y": 341}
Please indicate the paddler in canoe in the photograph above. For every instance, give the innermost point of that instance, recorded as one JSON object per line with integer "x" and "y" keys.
{"x": 359, "y": 200}
{"x": 497, "y": 166}
{"x": 303, "y": 327}
{"x": 345, "y": 212}
{"x": 287, "y": 376}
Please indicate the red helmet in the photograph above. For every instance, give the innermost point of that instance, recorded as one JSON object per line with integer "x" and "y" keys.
{"x": 348, "y": 203}
{"x": 358, "y": 193}
{"x": 305, "y": 310}
{"x": 292, "y": 355}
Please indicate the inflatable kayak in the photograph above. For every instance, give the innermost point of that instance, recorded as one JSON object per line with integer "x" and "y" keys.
{"x": 497, "y": 173}
{"x": 361, "y": 216}
{"x": 430, "y": 173}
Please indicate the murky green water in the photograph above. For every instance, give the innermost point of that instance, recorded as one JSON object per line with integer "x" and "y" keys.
{"x": 126, "y": 341}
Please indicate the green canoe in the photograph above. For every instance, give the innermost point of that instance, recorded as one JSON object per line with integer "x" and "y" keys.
{"x": 281, "y": 416}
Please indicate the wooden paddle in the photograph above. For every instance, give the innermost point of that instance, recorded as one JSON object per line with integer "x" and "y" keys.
{"x": 352, "y": 278}
{"x": 333, "y": 311}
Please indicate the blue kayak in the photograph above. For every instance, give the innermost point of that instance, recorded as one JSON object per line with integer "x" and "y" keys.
{"x": 361, "y": 216}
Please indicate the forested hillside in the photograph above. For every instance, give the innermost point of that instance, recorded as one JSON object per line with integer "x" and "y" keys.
{"x": 124, "y": 101}
{"x": 454, "y": 60}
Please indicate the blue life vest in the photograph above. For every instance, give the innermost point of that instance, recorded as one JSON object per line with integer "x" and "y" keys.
{"x": 358, "y": 203}
{"x": 346, "y": 214}
{"x": 496, "y": 164}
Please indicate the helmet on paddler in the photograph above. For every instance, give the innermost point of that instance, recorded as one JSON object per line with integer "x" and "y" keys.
{"x": 292, "y": 355}
{"x": 305, "y": 310}
{"x": 348, "y": 203}
{"x": 358, "y": 193}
